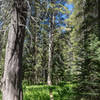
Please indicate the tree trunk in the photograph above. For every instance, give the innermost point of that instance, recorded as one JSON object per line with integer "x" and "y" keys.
{"x": 50, "y": 63}
{"x": 50, "y": 53}
{"x": 50, "y": 59}
{"x": 50, "y": 50}
{"x": 12, "y": 79}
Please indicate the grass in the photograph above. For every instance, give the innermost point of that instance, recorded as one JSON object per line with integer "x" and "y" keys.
{"x": 41, "y": 92}
{"x": 36, "y": 93}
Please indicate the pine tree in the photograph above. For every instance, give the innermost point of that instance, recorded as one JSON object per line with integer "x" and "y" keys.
{"x": 87, "y": 30}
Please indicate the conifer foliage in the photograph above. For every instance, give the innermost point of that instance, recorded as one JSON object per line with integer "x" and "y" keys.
{"x": 53, "y": 42}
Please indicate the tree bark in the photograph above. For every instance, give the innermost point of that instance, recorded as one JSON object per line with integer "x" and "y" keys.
{"x": 50, "y": 58}
{"x": 12, "y": 78}
{"x": 50, "y": 50}
{"x": 49, "y": 81}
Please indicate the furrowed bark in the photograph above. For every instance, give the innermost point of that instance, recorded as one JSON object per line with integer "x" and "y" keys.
{"x": 12, "y": 78}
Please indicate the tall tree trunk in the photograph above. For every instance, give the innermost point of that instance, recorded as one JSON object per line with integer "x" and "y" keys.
{"x": 49, "y": 81}
{"x": 50, "y": 51}
{"x": 50, "y": 59}
{"x": 12, "y": 79}
{"x": 50, "y": 62}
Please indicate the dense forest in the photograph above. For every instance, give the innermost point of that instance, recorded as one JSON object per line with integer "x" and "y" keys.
{"x": 50, "y": 49}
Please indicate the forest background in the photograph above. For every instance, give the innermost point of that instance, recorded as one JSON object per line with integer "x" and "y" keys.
{"x": 61, "y": 51}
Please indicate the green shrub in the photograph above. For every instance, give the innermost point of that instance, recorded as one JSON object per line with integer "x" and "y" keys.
{"x": 41, "y": 92}
{"x": 36, "y": 93}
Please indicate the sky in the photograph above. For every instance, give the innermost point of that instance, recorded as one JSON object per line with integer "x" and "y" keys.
{"x": 69, "y": 6}
{"x": 65, "y": 16}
